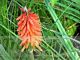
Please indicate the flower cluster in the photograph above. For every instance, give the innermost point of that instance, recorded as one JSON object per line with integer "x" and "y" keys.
{"x": 29, "y": 29}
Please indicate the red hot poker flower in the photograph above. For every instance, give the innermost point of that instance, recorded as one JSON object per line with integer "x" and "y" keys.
{"x": 29, "y": 29}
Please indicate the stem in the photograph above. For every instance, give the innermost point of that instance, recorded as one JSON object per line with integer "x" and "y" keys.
{"x": 31, "y": 55}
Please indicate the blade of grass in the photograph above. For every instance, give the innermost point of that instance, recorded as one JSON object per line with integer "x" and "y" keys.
{"x": 69, "y": 8}
{"x": 4, "y": 54}
{"x": 9, "y": 30}
{"x": 70, "y": 16}
{"x": 66, "y": 42}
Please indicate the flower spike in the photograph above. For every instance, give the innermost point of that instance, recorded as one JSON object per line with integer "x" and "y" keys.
{"x": 29, "y": 29}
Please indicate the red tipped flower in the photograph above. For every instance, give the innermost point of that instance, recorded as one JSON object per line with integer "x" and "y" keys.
{"x": 29, "y": 29}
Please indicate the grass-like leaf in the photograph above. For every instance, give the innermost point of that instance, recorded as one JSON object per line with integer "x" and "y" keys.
{"x": 4, "y": 54}
{"x": 66, "y": 42}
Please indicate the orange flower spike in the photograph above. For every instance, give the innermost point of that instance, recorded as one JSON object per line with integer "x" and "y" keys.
{"x": 29, "y": 29}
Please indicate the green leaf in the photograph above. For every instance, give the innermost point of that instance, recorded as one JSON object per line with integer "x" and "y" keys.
{"x": 53, "y": 2}
{"x": 66, "y": 42}
{"x": 4, "y": 54}
{"x": 76, "y": 1}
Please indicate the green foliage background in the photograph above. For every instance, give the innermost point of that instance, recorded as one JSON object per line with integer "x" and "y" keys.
{"x": 67, "y": 11}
